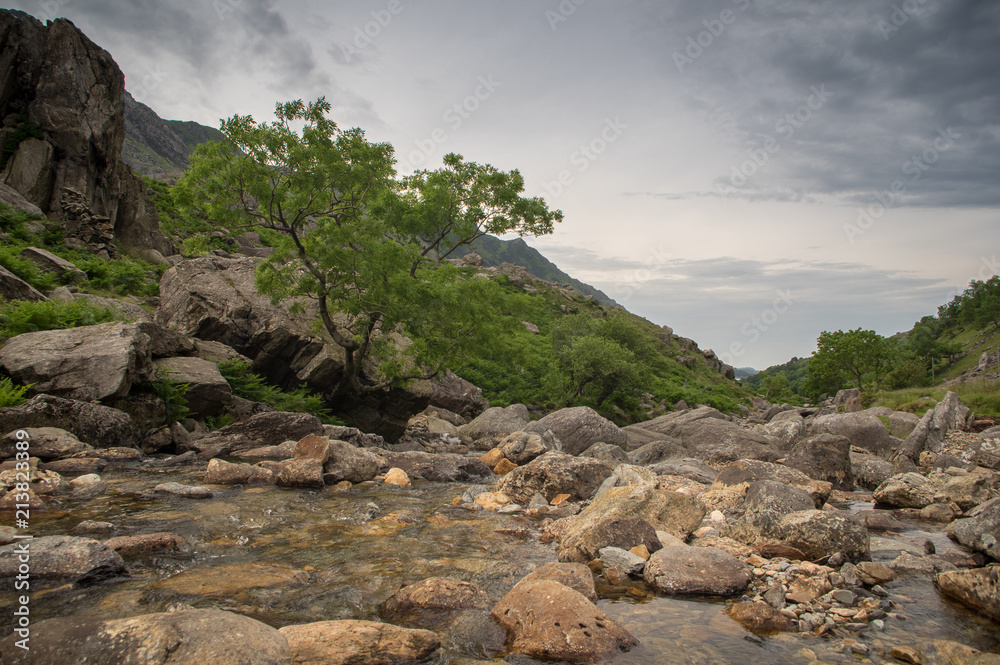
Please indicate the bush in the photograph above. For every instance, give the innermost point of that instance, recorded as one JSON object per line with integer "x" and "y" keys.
{"x": 123, "y": 276}
{"x": 244, "y": 383}
{"x": 172, "y": 393}
{"x": 19, "y": 316}
{"x": 11, "y": 260}
{"x": 11, "y": 394}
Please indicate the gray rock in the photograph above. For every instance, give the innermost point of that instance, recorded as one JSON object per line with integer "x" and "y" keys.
{"x": 578, "y": 428}
{"x": 522, "y": 447}
{"x": 785, "y": 428}
{"x": 94, "y": 424}
{"x": 616, "y": 557}
{"x": 902, "y": 424}
{"x": 979, "y": 530}
{"x": 660, "y": 450}
{"x": 869, "y": 471}
{"x": 458, "y": 396}
{"x": 689, "y": 570}
{"x": 185, "y": 491}
{"x": 818, "y": 533}
{"x": 766, "y": 504}
{"x": 606, "y": 452}
{"x": 50, "y": 263}
{"x": 208, "y": 393}
{"x": 13, "y": 287}
{"x": 906, "y": 490}
{"x": 349, "y": 463}
{"x": 864, "y": 430}
{"x": 493, "y": 424}
{"x": 47, "y": 443}
{"x": 435, "y": 467}
{"x": 166, "y": 343}
{"x": 65, "y": 558}
{"x": 552, "y": 474}
{"x": 825, "y": 457}
{"x": 264, "y": 429}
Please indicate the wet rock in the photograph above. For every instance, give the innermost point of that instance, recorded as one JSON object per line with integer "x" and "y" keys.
{"x": 74, "y": 468}
{"x": 871, "y": 573}
{"x": 825, "y": 457}
{"x": 759, "y": 618}
{"x": 578, "y": 428}
{"x": 980, "y": 529}
{"x": 64, "y": 558}
{"x": 348, "y": 463}
{"x": 226, "y": 473}
{"x": 185, "y": 491}
{"x": 576, "y": 576}
{"x": 906, "y": 490}
{"x": 586, "y": 537}
{"x": 205, "y": 637}
{"x": 938, "y": 512}
{"x": 40, "y": 481}
{"x": 229, "y": 581}
{"x": 522, "y": 447}
{"x": 492, "y": 501}
{"x": 47, "y": 443}
{"x": 129, "y": 546}
{"x": 552, "y": 474}
{"x": 95, "y": 424}
{"x": 436, "y": 595}
{"x": 545, "y": 619}
{"x": 435, "y": 467}
{"x": 356, "y": 642}
{"x": 944, "y": 652}
{"x": 690, "y": 570}
{"x": 396, "y": 477}
{"x": 819, "y": 533}
{"x": 978, "y": 589}
{"x": 495, "y": 423}
{"x": 94, "y": 527}
{"x": 301, "y": 473}
{"x": 87, "y": 363}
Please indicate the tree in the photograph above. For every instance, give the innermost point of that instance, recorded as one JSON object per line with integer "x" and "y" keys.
{"x": 361, "y": 244}
{"x": 857, "y": 356}
{"x": 603, "y": 364}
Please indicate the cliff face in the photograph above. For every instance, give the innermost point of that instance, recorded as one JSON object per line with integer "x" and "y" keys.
{"x": 62, "y": 101}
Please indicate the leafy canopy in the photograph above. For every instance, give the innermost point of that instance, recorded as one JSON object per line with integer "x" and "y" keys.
{"x": 361, "y": 246}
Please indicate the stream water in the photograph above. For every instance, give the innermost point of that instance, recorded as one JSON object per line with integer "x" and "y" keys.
{"x": 348, "y": 552}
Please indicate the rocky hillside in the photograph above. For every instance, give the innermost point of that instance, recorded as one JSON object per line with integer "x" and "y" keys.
{"x": 160, "y": 148}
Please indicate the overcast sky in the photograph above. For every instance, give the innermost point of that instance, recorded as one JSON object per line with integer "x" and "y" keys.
{"x": 748, "y": 172}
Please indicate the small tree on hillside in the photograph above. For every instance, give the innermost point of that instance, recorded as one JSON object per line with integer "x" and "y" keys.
{"x": 859, "y": 355}
{"x": 363, "y": 245}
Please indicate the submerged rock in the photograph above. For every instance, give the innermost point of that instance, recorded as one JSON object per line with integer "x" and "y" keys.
{"x": 66, "y": 558}
{"x": 978, "y": 589}
{"x": 357, "y": 642}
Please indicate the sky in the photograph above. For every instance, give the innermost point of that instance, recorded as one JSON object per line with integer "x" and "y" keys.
{"x": 748, "y": 172}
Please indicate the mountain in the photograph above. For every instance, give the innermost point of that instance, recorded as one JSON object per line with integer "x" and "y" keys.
{"x": 746, "y": 372}
{"x": 160, "y": 148}
{"x": 496, "y": 251}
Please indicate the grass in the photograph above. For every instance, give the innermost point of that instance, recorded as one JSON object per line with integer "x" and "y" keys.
{"x": 982, "y": 396}
{"x": 20, "y": 316}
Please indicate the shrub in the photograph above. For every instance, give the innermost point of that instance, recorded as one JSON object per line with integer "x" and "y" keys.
{"x": 244, "y": 383}
{"x": 19, "y": 316}
{"x": 172, "y": 393}
{"x": 123, "y": 276}
{"x": 10, "y": 393}
{"x": 11, "y": 260}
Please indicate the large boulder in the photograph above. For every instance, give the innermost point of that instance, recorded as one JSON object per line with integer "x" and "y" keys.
{"x": 870, "y": 471}
{"x": 685, "y": 570}
{"x": 552, "y": 474}
{"x": 718, "y": 441}
{"x": 50, "y": 263}
{"x": 545, "y": 619}
{"x": 824, "y": 457}
{"x": 578, "y": 428}
{"x": 457, "y": 395}
{"x": 766, "y": 504}
{"x": 743, "y": 473}
{"x": 785, "y": 428}
{"x": 46, "y": 443}
{"x": 979, "y": 589}
{"x": 863, "y": 429}
{"x": 434, "y": 596}
{"x": 73, "y": 92}
{"x": 494, "y": 423}
{"x": 434, "y": 467}
{"x": 818, "y": 533}
{"x": 357, "y": 642}
{"x": 205, "y": 637}
{"x": 522, "y": 447}
{"x": 345, "y": 462}
{"x": 13, "y": 287}
{"x": 949, "y": 414}
{"x": 208, "y": 393}
{"x": 980, "y": 529}
{"x": 95, "y": 424}
{"x": 216, "y": 299}
{"x": 264, "y": 429}
{"x": 63, "y": 558}
{"x": 906, "y": 490}
{"x": 87, "y": 363}
{"x": 662, "y": 449}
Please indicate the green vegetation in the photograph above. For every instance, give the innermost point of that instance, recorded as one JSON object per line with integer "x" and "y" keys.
{"x": 11, "y": 394}
{"x": 20, "y": 316}
{"x": 982, "y": 396}
{"x": 123, "y": 276}
{"x": 25, "y": 269}
{"x": 856, "y": 358}
{"x": 244, "y": 383}
{"x": 172, "y": 393}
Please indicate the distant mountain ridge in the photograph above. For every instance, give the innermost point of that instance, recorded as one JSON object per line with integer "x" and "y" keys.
{"x": 160, "y": 148}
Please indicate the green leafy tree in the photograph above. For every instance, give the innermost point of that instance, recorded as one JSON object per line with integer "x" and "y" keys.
{"x": 854, "y": 357}
{"x": 604, "y": 366}
{"x": 362, "y": 245}
{"x": 775, "y": 386}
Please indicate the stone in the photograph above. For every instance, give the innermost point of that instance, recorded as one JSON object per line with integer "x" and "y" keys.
{"x": 438, "y": 595}
{"x": 13, "y": 199}
{"x": 494, "y": 423}
{"x": 979, "y": 530}
{"x": 613, "y": 455}
{"x": 711, "y": 438}
{"x": 208, "y": 393}
{"x": 63, "y": 558}
{"x": 50, "y": 263}
{"x": 869, "y": 471}
{"x": 396, "y": 477}
{"x": 206, "y": 637}
{"x": 786, "y": 430}
{"x": 902, "y": 424}
{"x": 346, "y": 462}
{"x": 906, "y": 490}
{"x": 863, "y": 429}
{"x": 554, "y": 473}
{"x": 301, "y": 473}
{"x": 229, "y": 582}
{"x": 492, "y": 501}
{"x": 946, "y": 652}
{"x": 978, "y": 589}
{"x": 616, "y": 557}
{"x": 355, "y": 642}
{"x": 819, "y": 533}
{"x": 458, "y": 396}
{"x": 76, "y": 468}
{"x": 522, "y": 447}
{"x": 503, "y": 467}
{"x": 578, "y": 428}
{"x": 443, "y": 468}
{"x": 660, "y": 450}
{"x": 759, "y": 618}
{"x": 220, "y": 472}
{"x": 545, "y": 619}
{"x": 94, "y": 527}
{"x": 47, "y": 443}
{"x": 150, "y": 543}
{"x": 687, "y": 570}
{"x": 13, "y": 287}
{"x": 576, "y": 576}
{"x": 825, "y": 457}
{"x": 264, "y": 429}
{"x": 185, "y": 491}
{"x": 743, "y": 473}
{"x": 871, "y": 573}
{"x": 767, "y": 503}
{"x": 968, "y": 491}
{"x": 86, "y": 363}
{"x": 492, "y": 458}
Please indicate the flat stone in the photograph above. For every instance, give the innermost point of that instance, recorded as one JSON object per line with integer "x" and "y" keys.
{"x": 357, "y": 643}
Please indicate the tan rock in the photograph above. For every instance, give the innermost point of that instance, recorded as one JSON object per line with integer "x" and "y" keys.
{"x": 146, "y": 543}
{"x": 397, "y": 477}
{"x": 504, "y": 467}
{"x": 357, "y": 643}
{"x": 492, "y": 458}
{"x": 493, "y": 500}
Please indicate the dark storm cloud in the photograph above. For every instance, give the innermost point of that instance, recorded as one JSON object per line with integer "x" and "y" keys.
{"x": 896, "y": 75}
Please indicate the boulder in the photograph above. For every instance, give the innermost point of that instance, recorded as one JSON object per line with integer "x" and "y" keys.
{"x": 184, "y": 491}
{"x": 434, "y": 467}
{"x": 759, "y": 618}
{"x": 719, "y": 442}
{"x": 946, "y": 652}
{"x": 552, "y": 474}
{"x": 208, "y": 393}
{"x": 304, "y": 472}
{"x": 50, "y": 263}
{"x": 46, "y": 443}
{"x": 869, "y": 471}
{"x": 668, "y": 425}
{"x": 205, "y": 637}
{"x": 354, "y": 436}
{"x": 978, "y": 589}
{"x": 906, "y": 490}
{"x": 847, "y": 400}
{"x": 545, "y": 619}
{"x": 825, "y": 457}
{"x": 968, "y": 491}
{"x": 13, "y": 199}
{"x": 949, "y": 414}
{"x": 435, "y": 595}
{"x": 166, "y": 343}
{"x": 357, "y": 642}
{"x": 605, "y": 452}
{"x": 13, "y": 287}
{"x": 767, "y": 503}
{"x": 902, "y": 424}
{"x": 863, "y": 429}
{"x": 685, "y": 570}
{"x": 234, "y": 582}
{"x": 578, "y": 428}
{"x": 522, "y": 447}
{"x": 744, "y": 473}
{"x": 979, "y": 530}
{"x": 819, "y": 533}
{"x": 345, "y": 462}
{"x": 86, "y": 363}
{"x": 785, "y": 429}
{"x": 148, "y": 543}
{"x": 226, "y": 473}
{"x": 264, "y": 429}
{"x": 458, "y": 396}
{"x": 576, "y": 576}
{"x": 583, "y": 543}
{"x": 662, "y": 449}
{"x": 494, "y": 423}
{"x": 63, "y": 558}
